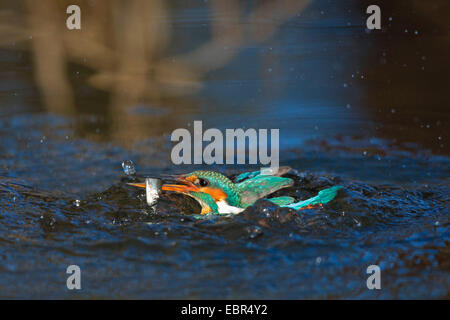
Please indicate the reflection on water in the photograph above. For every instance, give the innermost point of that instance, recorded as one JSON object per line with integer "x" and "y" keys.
{"x": 145, "y": 68}
{"x": 367, "y": 110}
{"x": 130, "y": 49}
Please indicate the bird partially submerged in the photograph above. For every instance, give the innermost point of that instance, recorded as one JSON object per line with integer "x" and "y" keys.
{"x": 217, "y": 194}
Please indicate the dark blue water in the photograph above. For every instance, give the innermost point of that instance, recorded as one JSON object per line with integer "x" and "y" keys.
{"x": 349, "y": 112}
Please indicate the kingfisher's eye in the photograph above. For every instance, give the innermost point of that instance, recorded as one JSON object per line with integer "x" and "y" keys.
{"x": 202, "y": 182}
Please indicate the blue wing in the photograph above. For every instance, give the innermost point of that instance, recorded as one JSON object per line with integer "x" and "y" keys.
{"x": 261, "y": 186}
{"x": 253, "y": 174}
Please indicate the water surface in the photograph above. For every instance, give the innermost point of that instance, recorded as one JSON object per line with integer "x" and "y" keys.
{"x": 365, "y": 110}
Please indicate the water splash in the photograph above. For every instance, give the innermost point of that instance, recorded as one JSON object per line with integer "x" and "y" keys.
{"x": 254, "y": 231}
{"x": 128, "y": 167}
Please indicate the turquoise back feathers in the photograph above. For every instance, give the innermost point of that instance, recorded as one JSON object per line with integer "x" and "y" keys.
{"x": 259, "y": 187}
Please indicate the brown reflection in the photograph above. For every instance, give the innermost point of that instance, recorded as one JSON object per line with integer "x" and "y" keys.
{"x": 125, "y": 45}
{"x": 50, "y": 57}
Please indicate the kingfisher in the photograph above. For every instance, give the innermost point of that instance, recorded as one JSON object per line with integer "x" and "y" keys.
{"x": 218, "y": 194}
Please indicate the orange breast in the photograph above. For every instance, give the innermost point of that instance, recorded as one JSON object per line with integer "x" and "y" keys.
{"x": 216, "y": 194}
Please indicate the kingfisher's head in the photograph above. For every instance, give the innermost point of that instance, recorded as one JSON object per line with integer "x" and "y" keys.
{"x": 211, "y": 189}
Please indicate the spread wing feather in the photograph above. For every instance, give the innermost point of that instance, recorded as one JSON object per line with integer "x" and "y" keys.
{"x": 253, "y": 174}
{"x": 260, "y": 186}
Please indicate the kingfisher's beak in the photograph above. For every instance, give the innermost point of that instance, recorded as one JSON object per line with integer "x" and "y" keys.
{"x": 185, "y": 187}
{"x": 181, "y": 188}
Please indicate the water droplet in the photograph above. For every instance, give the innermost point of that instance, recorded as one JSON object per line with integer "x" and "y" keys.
{"x": 436, "y": 223}
{"x": 128, "y": 167}
{"x": 254, "y": 231}
{"x": 318, "y": 260}
{"x": 77, "y": 203}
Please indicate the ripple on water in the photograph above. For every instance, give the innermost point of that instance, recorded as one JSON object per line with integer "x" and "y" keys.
{"x": 265, "y": 252}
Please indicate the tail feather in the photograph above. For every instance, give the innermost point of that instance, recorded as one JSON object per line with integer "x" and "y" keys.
{"x": 322, "y": 197}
